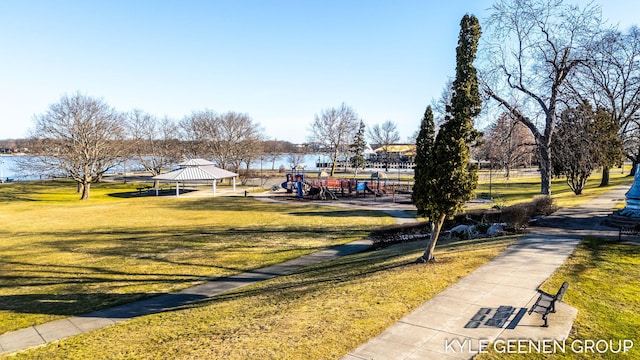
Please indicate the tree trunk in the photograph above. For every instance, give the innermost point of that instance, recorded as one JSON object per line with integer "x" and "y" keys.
{"x": 335, "y": 162}
{"x": 545, "y": 169}
{"x": 85, "y": 190}
{"x": 605, "y": 177}
{"x": 386, "y": 161}
{"x": 78, "y": 187}
{"x": 436, "y": 226}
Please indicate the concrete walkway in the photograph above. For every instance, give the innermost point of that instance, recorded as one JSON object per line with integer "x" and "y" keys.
{"x": 63, "y": 328}
{"x": 490, "y": 304}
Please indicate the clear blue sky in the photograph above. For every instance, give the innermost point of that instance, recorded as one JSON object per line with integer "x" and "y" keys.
{"x": 280, "y": 61}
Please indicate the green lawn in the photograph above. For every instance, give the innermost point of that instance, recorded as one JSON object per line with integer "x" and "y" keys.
{"x": 321, "y": 312}
{"x": 522, "y": 188}
{"x": 60, "y": 256}
{"x": 604, "y": 285}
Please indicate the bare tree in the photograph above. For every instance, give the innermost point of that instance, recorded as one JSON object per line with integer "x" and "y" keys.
{"x": 611, "y": 80}
{"x": 156, "y": 142}
{"x": 80, "y": 137}
{"x": 535, "y": 46}
{"x": 384, "y": 135}
{"x": 507, "y": 143}
{"x": 241, "y": 138}
{"x": 272, "y": 150}
{"x": 631, "y": 142}
{"x": 230, "y": 139}
{"x": 333, "y": 129}
{"x": 295, "y": 160}
{"x": 442, "y": 106}
{"x": 196, "y": 132}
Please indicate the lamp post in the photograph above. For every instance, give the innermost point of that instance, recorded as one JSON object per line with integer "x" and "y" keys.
{"x": 490, "y": 178}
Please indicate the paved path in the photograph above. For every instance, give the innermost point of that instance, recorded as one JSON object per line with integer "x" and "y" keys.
{"x": 451, "y": 324}
{"x": 59, "y": 329}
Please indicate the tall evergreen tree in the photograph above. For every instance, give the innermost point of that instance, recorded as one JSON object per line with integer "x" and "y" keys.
{"x": 357, "y": 148}
{"x": 451, "y": 179}
{"x": 424, "y": 147}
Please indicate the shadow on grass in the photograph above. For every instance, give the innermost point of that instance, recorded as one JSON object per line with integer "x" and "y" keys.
{"x": 355, "y": 265}
{"x": 604, "y": 250}
{"x": 342, "y": 213}
{"x": 19, "y": 191}
{"x": 148, "y": 193}
{"x": 146, "y": 247}
{"x": 66, "y": 304}
{"x": 253, "y": 205}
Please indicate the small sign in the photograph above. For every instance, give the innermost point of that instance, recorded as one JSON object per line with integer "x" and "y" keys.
{"x": 496, "y": 317}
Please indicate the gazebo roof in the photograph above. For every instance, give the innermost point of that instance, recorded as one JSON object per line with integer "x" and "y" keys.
{"x": 195, "y": 162}
{"x": 196, "y": 169}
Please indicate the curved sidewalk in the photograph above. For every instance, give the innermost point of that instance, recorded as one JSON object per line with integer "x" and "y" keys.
{"x": 59, "y": 329}
{"x": 491, "y": 303}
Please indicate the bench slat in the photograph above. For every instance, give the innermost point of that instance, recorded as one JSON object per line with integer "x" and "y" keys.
{"x": 546, "y": 303}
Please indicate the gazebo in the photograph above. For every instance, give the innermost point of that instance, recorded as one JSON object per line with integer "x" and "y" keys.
{"x": 196, "y": 170}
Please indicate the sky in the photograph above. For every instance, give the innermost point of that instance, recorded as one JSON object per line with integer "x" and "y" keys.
{"x": 280, "y": 61}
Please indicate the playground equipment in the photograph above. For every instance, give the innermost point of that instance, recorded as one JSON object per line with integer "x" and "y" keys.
{"x": 295, "y": 183}
{"x": 325, "y": 187}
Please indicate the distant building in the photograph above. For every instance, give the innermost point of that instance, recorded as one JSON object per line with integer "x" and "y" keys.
{"x": 396, "y": 152}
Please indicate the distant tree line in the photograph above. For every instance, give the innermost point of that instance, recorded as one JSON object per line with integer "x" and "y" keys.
{"x": 82, "y": 138}
{"x": 13, "y": 146}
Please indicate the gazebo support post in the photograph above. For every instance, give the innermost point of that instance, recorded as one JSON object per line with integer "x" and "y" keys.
{"x": 214, "y": 187}
{"x": 234, "y": 184}
{"x": 177, "y": 189}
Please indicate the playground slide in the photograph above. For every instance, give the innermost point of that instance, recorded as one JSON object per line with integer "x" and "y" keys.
{"x": 367, "y": 188}
{"x": 291, "y": 187}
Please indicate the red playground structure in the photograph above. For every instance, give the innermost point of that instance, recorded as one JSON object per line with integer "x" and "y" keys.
{"x": 325, "y": 187}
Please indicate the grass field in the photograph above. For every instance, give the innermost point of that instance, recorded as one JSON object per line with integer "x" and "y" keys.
{"x": 521, "y": 188}
{"x": 322, "y": 312}
{"x": 60, "y": 256}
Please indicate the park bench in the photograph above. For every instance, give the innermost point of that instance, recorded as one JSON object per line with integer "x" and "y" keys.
{"x": 143, "y": 188}
{"x": 546, "y": 303}
{"x": 628, "y": 230}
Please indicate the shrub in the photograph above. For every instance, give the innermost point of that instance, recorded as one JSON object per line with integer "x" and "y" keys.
{"x": 543, "y": 205}
{"x": 393, "y": 234}
{"x": 482, "y": 227}
{"x": 516, "y": 216}
{"x": 519, "y": 215}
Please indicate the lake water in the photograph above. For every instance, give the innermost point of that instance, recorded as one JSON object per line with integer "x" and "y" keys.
{"x": 8, "y": 169}
{"x": 308, "y": 161}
